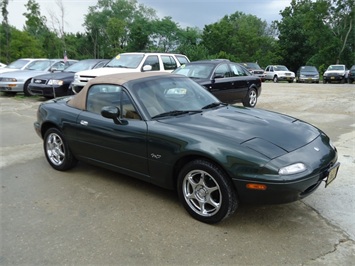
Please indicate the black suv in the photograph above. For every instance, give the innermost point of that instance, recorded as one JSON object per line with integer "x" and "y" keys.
{"x": 230, "y": 82}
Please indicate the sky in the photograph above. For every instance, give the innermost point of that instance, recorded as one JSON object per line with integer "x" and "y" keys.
{"x": 187, "y": 13}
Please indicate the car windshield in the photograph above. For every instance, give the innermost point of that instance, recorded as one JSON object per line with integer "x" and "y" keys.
{"x": 251, "y": 65}
{"x": 39, "y": 65}
{"x": 81, "y": 66}
{"x": 309, "y": 69}
{"x": 280, "y": 68}
{"x": 172, "y": 96}
{"x": 126, "y": 61}
{"x": 18, "y": 64}
{"x": 335, "y": 67}
{"x": 200, "y": 71}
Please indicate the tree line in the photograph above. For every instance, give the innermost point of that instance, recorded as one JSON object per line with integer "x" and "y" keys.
{"x": 317, "y": 33}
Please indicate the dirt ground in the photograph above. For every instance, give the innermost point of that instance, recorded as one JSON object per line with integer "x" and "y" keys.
{"x": 90, "y": 216}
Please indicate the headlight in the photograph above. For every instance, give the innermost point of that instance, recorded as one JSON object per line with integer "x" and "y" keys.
{"x": 302, "y": 76}
{"x": 76, "y": 77}
{"x": 55, "y": 82}
{"x": 8, "y": 79}
{"x": 292, "y": 169}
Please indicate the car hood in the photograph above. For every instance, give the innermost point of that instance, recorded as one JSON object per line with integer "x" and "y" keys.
{"x": 285, "y": 72}
{"x": 56, "y": 75}
{"x": 105, "y": 71}
{"x": 271, "y": 134}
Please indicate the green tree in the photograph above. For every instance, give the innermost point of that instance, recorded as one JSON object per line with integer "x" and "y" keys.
{"x": 239, "y": 37}
{"x": 4, "y": 33}
{"x": 110, "y": 24}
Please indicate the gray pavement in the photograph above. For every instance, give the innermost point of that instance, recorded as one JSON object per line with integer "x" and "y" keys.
{"x": 91, "y": 216}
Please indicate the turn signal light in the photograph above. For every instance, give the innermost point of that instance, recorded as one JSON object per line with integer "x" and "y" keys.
{"x": 256, "y": 186}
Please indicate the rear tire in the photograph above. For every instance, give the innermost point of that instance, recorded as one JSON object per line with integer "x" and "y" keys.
{"x": 250, "y": 99}
{"x": 206, "y": 192}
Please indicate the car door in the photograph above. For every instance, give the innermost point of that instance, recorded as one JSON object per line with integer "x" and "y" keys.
{"x": 269, "y": 71}
{"x": 121, "y": 147}
{"x": 240, "y": 82}
{"x": 221, "y": 83}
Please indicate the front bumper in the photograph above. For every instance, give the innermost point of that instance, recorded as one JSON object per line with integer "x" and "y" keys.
{"x": 49, "y": 91}
{"x": 11, "y": 87}
{"x": 318, "y": 156}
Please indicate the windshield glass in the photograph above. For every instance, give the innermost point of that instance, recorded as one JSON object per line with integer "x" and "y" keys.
{"x": 280, "y": 68}
{"x": 18, "y": 64}
{"x": 336, "y": 67}
{"x": 309, "y": 69}
{"x": 126, "y": 61}
{"x": 81, "y": 66}
{"x": 39, "y": 65}
{"x": 158, "y": 96}
{"x": 251, "y": 65}
{"x": 201, "y": 71}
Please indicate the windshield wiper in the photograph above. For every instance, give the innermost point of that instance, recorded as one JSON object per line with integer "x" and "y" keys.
{"x": 176, "y": 113}
{"x": 212, "y": 105}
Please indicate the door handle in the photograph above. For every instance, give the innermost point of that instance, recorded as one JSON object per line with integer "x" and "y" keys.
{"x": 84, "y": 123}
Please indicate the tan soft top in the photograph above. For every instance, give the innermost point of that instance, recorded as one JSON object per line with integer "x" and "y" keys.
{"x": 79, "y": 100}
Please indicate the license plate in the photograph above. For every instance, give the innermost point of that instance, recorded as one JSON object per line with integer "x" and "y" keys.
{"x": 332, "y": 174}
{"x": 332, "y": 77}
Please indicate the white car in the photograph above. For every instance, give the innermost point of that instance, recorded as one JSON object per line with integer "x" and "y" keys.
{"x": 335, "y": 73}
{"x": 278, "y": 73}
{"x": 20, "y": 64}
{"x": 131, "y": 62}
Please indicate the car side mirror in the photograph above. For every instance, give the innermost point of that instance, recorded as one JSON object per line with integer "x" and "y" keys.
{"x": 113, "y": 112}
{"x": 147, "y": 68}
{"x": 218, "y": 76}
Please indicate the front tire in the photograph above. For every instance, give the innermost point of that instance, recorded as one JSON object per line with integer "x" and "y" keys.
{"x": 206, "y": 192}
{"x": 251, "y": 98}
{"x": 275, "y": 79}
{"x": 57, "y": 150}
{"x": 26, "y": 91}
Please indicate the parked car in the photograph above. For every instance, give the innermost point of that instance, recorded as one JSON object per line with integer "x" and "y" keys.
{"x": 307, "y": 74}
{"x": 230, "y": 82}
{"x": 131, "y": 62}
{"x": 20, "y": 64}
{"x": 57, "y": 84}
{"x": 278, "y": 73}
{"x": 168, "y": 130}
{"x": 255, "y": 69}
{"x": 17, "y": 81}
{"x": 335, "y": 73}
{"x": 351, "y": 75}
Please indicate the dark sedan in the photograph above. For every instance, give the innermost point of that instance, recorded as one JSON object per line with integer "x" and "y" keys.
{"x": 168, "y": 130}
{"x": 229, "y": 82}
{"x": 57, "y": 84}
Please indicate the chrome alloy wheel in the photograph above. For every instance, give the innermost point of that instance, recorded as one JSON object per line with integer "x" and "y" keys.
{"x": 252, "y": 98}
{"x": 202, "y": 193}
{"x": 55, "y": 149}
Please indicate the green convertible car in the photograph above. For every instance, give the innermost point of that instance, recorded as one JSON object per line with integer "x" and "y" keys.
{"x": 168, "y": 130}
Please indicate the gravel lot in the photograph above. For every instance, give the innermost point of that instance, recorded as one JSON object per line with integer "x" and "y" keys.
{"x": 93, "y": 216}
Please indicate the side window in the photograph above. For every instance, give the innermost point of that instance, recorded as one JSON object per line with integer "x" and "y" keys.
{"x": 110, "y": 95}
{"x": 169, "y": 62}
{"x": 182, "y": 59}
{"x": 237, "y": 70}
{"x": 223, "y": 71}
{"x": 153, "y": 61}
